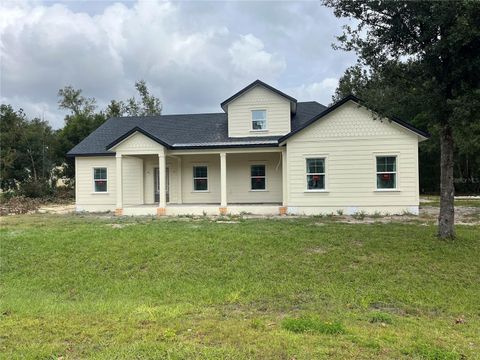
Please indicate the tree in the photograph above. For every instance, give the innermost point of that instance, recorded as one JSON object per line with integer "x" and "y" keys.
{"x": 83, "y": 117}
{"x": 387, "y": 90}
{"x": 73, "y": 100}
{"x": 79, "y": 123}
{"x": 26, "y": 157}
{"x": 115, "y": 109}
{"x": 147, "y": 105}
{"x": 439, "y": 43}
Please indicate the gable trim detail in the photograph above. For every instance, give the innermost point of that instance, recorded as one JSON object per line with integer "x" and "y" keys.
{"x": 133, "y": 131}
{"x": 353, "y": 98}
{"x": 251, "y": 86}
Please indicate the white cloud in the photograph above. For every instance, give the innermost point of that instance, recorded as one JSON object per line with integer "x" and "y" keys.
{"x": 250, "y": 59}
{"x": 318, "y": 91}
{"x": 192, "y": 55}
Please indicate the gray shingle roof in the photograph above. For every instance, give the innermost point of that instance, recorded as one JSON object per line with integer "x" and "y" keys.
{"x": 185, "y": 131}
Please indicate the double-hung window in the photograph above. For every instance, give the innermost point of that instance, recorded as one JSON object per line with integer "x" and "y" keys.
{"x": 257, "y": 177}
{"x": 316, "y": 174}
{"x": 200, "y": 178}
{"x": 386, "y": 172}
{"x": 259, "y": 120}
{"x": 100, "y": 180}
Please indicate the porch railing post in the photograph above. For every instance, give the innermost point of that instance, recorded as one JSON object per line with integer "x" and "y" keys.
{"x": 283, "y": 209}
{"x": 162, "y": 169}
{"x": 119, "y": 186}
{"x": 223, "y": 183}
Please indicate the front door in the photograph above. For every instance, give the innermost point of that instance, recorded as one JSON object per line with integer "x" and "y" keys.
{"x": 156, "y": 182}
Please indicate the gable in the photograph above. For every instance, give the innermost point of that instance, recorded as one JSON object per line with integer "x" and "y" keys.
{"x": 259, "y": 96}
{"x": 278, "y": 113}
{"x": 258, "y": 83}
{"x": 352, "y": 121}
{"x": 137, "y": 142}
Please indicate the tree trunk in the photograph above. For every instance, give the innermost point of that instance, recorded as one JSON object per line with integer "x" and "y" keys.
{"x": 446, "y": 217}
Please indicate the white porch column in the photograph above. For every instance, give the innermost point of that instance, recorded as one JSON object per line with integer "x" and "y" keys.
{"x": 118, "y": 175}
{"x": 162, "y": 170}
{"x": 179, "y": 176}
{"x": 223, "y": 183}
{"x": 283, "y": 208}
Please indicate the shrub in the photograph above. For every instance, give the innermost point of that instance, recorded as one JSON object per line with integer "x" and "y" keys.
{"x": 35, "y": 189}
{"x": 18, "y": 205}
{"x": 309, "y": 324}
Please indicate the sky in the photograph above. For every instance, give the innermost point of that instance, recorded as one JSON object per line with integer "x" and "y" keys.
{"x": 192, "y": 54}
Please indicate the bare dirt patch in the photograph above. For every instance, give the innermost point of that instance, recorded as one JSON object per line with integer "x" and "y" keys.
{"x": 57, "y": 209}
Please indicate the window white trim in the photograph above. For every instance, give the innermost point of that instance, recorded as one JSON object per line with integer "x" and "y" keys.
{"x": 325, "y": 169}
{"x": 194, "y": 178}
{"x": 94, "y": 191}
{"x": 265, "y": 177}
{"x": 265, "y": 120}
{"x": 395, "y": 155}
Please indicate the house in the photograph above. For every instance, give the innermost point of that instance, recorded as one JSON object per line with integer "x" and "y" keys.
{"x": 266, "y": 153}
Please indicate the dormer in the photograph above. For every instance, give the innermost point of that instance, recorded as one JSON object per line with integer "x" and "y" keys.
{"x": 259, "y": 110}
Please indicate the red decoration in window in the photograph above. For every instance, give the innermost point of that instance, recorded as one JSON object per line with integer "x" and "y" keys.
{"x": 316, "y": 177}
{"x": 258, "y": 180}
{"x": 386, "y": 176}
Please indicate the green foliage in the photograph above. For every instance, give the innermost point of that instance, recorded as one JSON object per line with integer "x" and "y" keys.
{"x": 77, "y": 127}
{"x": 31, "y": 150}
{"x": 386, "y": 89}
{"x": 311, "y": 324}
{"x": 147, "y": 105}
{"x": 430, "y": 49}
{"x": 72, "y": 99}
{"x": 27, "y": 152}
{"x": 77, "y": 287}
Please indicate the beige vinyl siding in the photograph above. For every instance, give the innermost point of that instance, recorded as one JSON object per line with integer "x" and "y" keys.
{"x": 150, "y": 163}
{"x": 132, "y": 170}
{"x": 349, "y": 138}
{"x": 190, "y": 196}
{"x": 238, "y": 178}
{"x": 138, "y": 143}
{"x": 258, "y": 98}
{"x": 84, "y": 190}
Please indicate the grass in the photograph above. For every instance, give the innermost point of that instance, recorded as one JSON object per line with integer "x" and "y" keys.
{"x": 76, "y": 287}
{"x": 435, "y": 201}
{"x": 311, "y": 324}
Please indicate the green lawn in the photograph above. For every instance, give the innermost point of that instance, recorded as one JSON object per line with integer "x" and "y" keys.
{"x": 433, "y": 200}
{"x": 78, "y": 287}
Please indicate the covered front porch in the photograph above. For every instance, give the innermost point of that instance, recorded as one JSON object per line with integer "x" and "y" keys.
{"x": 201, "y": 182}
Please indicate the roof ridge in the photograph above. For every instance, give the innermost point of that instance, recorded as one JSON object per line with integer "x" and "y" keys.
{"x": 152, "y": 116}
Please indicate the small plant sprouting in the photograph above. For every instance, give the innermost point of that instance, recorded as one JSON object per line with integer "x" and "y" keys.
{"x": 359, "y": 215}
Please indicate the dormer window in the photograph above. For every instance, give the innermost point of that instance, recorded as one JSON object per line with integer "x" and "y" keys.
{"x": 259, "y": 120}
